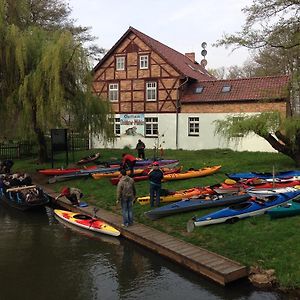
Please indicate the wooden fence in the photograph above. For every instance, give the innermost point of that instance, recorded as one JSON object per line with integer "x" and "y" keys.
{"x": 26, "y": 149}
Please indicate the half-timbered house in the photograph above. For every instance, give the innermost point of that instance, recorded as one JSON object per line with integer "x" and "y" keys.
{"x": 163, "y": 96}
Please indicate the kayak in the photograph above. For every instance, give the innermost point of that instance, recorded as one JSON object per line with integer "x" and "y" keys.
{"x": 249, "y": 175}
{"x": 246, "y": 209}
{"x": 192, "y": 173}
{"x": 53, "y": 172}
{"x": 191, "y": 204}
{"x": 224, "y": 188}
{"x": 85, "y": 221}
{"x": 116, "y": 173}
{"x": 259, "y": 192}
{"x": 289, "y": 209}
{"x": 88, "y": 159}
{"x": 141, "y": 177}
{"x": 178, "y": 195}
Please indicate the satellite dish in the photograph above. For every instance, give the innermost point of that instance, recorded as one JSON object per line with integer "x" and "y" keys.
{"x": 203, "y": 52}
{"x": 203, "y": 63}
{"x": 203, "y": 45}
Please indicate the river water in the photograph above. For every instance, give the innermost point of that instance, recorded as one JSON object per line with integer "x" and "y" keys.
{"x": 41, "y": 259}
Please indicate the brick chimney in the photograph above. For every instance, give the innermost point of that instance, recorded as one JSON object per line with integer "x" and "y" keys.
{"x": 191, "y": 56}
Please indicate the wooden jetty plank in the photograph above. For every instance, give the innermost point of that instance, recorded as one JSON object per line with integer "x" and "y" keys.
{"x": 211, "y": 265}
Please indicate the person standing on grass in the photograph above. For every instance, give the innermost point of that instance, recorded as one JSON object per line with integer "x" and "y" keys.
{"x": 128, "y": 162}
{"x": 156, "y": 175}
{"x": 126, "y": 194}
{"x": 140, "y": 147}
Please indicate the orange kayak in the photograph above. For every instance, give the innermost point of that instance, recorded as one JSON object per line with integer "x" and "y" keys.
{"x": 115, "y": 174}
{"x": 192, "y": 173}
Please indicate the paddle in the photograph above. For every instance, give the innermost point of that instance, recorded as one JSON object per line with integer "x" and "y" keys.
{"x": 94, "y": 217}
{"x": 21, "y": 188}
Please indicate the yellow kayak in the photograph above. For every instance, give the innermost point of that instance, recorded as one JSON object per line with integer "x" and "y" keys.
{"x": 179, "y": 195}
{"x": 115, "y": 174}
{"x": 192, "y": 173}
{"x": 85, "y": 222}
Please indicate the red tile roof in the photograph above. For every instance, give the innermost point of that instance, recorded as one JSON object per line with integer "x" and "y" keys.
{"x": 245, "y": 89}
{"x": 180, "y": 62}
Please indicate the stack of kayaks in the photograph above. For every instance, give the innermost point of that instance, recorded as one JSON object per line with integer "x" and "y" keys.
{"x": 192, "y": 173}
{"x": 178, "y": 195}
{"x": 85, "y": 222}
{"x": 242, "y": 210}
{"x": 191, "y": 204}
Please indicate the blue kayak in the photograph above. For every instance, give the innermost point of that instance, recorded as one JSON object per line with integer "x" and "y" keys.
{"x": 249, "y": 175}
{"x": 246, "y": 209}
{"x": 194, "y": 204}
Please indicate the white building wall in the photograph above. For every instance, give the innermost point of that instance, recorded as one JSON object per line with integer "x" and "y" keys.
{"x": 205, "y": 140}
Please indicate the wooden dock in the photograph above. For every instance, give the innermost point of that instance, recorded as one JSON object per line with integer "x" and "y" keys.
{"x": 216, "y": 267}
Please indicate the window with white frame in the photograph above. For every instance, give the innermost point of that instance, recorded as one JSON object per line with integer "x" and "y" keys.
{"x": 120, "y": 63}
{"x": 117, "y": 127}
{"x": 144, "y": 61}
{"x": 151, "y": 91}
{"x": 193, "y": 126}
{"x": 113, "y": 92}
{"x": 151, "y": 127}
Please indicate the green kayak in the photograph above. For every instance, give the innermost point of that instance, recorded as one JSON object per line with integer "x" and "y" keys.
{"x": 291, "y": 208}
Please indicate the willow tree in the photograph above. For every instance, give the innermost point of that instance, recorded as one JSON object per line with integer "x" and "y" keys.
{"x": 45, "y": 82}
{"x": 272, "y": 31}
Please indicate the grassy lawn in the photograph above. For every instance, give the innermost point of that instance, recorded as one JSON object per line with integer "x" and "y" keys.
{"x": 255, "y": 241}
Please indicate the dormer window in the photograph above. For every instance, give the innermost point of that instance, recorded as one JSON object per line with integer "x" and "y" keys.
{"x": 199, "y": 89}
{"x": 144, "y": 61}
{"x": 120, "y": 63}
{"x": 226, "y": 88}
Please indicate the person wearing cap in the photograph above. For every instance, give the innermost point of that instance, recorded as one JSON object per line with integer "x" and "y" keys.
{"x": 126, "y": 194}
{"x": 156, "y": 175}
{"x": 128, "y": 162}
{"x": 140, "y": 147}
{"x": 72, "y": 194}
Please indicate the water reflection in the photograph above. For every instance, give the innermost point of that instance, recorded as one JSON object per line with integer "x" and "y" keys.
{"x": 42, "y": 259}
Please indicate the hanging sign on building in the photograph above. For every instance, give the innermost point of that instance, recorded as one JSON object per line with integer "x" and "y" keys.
{"x": 132, "y": 124}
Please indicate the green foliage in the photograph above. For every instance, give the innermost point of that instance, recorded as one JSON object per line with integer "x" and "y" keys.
{"x": 236, "y": 127}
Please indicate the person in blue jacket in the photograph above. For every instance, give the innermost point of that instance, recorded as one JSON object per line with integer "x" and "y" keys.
{"x": 155, "y": 177}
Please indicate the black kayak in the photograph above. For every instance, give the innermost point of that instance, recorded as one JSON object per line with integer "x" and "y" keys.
{"x": 194, "y": 204}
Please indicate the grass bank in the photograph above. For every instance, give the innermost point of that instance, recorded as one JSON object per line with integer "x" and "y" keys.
{"x": 255, "y": 241}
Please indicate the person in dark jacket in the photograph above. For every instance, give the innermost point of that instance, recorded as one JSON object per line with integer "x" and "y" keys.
{"x": 156, "y": 175}
{"x": 128, "y": 163}
{"x": 126, "y": 194}
{"x": 140, "y": 147}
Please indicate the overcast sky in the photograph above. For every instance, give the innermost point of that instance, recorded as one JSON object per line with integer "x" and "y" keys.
{"x": 180, "y": 24}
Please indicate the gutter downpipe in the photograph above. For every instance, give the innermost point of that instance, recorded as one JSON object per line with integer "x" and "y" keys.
{"x": 177, "y": 110}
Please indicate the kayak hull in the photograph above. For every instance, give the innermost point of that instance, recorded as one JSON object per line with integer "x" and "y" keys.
{"x": 85, "y": 222}
{"x": 290, "y": 209}
{"x": 195, "y": 204}
{"x": 245, "y": 209}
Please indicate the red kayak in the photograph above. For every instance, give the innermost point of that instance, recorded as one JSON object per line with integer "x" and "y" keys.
{"x": 144, "y": 176}
{"x": 53, "y": 172}
{"x": 236, "y": 187}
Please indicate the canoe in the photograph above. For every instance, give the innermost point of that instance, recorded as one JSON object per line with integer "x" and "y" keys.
{"x": 246, "y": 209}
{"x": 178, "y": 195}
{"x": 85, "y": 222}
{"x": 141, "y": 177}
{"x": 191, "y": 204}
{"x": 249, "y": 175}
{"x": 289, "y": 209}
{"x": 88, "y": 159}
{"x": 192, "y": 173}
{"x": 24, "y": 197}
{"x": 116, "y": 173}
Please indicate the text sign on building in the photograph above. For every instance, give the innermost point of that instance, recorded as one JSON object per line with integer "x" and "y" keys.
{"x": 132, "y": 124}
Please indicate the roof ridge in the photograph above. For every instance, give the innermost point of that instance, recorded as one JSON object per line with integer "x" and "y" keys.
{"x": 248, "y": 78}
